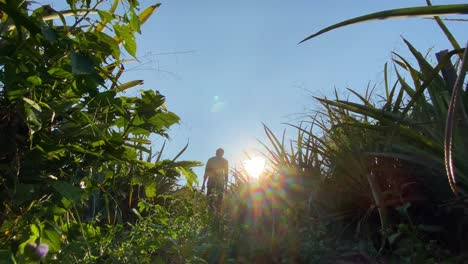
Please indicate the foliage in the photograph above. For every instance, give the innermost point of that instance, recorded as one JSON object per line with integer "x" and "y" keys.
{"x": 75, "y": 157}
{"x": 371, "y": 172}
{"x": 364, "y": 180}
{"x": 429, "y": 74}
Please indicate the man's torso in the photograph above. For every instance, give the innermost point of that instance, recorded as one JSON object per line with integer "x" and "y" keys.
{"x": 216, "y": 168}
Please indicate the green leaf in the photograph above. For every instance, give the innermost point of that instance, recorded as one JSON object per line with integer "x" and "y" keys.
{"x": 19, "y": 18}
{"x": 32, "y": 103}
{"x": 32, "y": 238}
{"x": 98, "y": 143}
{"x": 35, "y": 80}
{"x": 150, "y": 190}
{"x": 56, "y": 154}
{"x": 143, "y": 16}
{"x": 81, "y": 65}
{"x": 139, "y": 140}
{"x": 129, "y": 154}
{"x": 57, "y": 211}
{"x": 107, "y": 16}
{"x": 180, "y": 152}
{"x": 135, "y": 211}
{"x": 128, "y": 85}
{"x": 134, "y": 21}
{"x": 72, "y": 193}
{"x": 34, "y": 230}
{"x": 52, "y": 239}
{"x": 189, "y": 175}
{"x": 398, "y": 13}
{"x": 125, "y": 34}
{"x": 161, "y": 120}
{"x": 60, "y": 73}
{"x": 364, "y": 110}
{"x": 104, "y": 15}
{"x": 34, "y": 123}
{"x": 108, "y": 40}
{"x": 446, "y": 31}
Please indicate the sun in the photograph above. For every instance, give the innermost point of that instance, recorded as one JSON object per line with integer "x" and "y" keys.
{"x": 254, "y": 166}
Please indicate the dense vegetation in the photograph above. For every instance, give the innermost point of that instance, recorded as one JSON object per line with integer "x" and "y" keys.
{"x": 369, "y": 180}
{"x": 76, "y": 169}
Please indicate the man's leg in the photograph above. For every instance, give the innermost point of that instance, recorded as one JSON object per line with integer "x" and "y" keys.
{"x": 219, "y": 197}
{"x": 211, "y": 193}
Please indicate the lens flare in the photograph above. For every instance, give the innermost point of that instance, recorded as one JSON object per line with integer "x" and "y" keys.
{"x": 254, "y": 166}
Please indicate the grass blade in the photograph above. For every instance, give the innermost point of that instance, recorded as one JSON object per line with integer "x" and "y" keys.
{"x": 450, "y": 123}
{"x": 444, "y": 28}
{"x": 180, "y": 152}
{"x": 398, "y": 13}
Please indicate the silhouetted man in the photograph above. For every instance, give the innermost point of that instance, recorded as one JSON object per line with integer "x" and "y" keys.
{"x": 216, "y": 171}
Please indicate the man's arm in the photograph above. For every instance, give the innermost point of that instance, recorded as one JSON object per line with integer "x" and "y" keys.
{"x": 205, "y": 176}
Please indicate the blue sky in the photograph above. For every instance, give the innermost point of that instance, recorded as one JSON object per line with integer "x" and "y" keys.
{"x": 227, "y": 66}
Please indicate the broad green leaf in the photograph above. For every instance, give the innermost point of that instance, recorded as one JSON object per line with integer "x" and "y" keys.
{"x": 35, "y": 80}
{"x": 34, "y": 123}
{"x": 57, "y": 211}
{"x": 143, "y": 16}
{"x": 125, "y": 34}
{"x": 134, "y": 21}
{"x": 105, "y": 18}
{"x": 34, "y": 235}
{"x": 150, "y": 190}
{"x": 189, "y": 175}
{"x": 164, "y": 120}
{"x": 113, "y": 44}
{"x": 34, "y": 230}
{"x": 60, "y": 73}
{"x": 32, "y": 103}
{"x": 105, "y": 15}
{"x": 52, "y": 239}
{"x": 398, "y": 13}
{"x": 69, "y": 191}
{"x": 81, "y": 65}
{"x": 98, "y": 143}
{"x": 129, "y": 154}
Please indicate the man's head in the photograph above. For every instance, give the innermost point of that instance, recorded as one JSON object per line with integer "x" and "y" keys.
{"x": 219, "y": 152}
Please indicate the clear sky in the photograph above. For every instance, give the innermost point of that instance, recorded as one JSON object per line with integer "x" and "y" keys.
{"x": 236, "y": 64}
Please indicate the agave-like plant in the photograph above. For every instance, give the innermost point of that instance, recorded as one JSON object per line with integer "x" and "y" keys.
{"x": 415, "y": 129}
{"x": 444, "y": 91}
{"x": 399, "y": 145}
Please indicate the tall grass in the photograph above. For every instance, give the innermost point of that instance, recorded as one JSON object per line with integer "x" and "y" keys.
{"x": 368, "y": 166}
